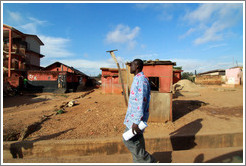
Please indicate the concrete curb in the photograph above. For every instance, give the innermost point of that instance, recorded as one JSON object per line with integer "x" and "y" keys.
{"x": 80, "y": 147}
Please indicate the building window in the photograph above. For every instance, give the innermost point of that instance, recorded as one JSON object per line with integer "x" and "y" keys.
{"x": 154, "y": 83}
{"x": 49, "y": 78}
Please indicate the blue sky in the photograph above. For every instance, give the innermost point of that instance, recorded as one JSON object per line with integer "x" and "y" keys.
{"x": 197, "y": 36}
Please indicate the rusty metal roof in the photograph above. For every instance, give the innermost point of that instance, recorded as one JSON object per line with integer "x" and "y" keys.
{"x": 75, "y": 70}
{"x": 156, "y": 62}
{"x": 212, "y": 71}
{"x": 110, "y": 69}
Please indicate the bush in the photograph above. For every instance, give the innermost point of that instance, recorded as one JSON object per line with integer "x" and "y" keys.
{"x": 188, "y": 76}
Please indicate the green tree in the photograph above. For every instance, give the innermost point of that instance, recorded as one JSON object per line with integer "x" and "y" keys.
{"x": 99, "y": 75}
{"x": 188, "y": 76}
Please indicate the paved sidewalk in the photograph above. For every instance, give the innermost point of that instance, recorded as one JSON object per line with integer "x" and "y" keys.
{"x": 217, "y": 155}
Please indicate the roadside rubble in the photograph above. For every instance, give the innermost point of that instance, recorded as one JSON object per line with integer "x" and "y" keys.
{"x": 23, "y": 133}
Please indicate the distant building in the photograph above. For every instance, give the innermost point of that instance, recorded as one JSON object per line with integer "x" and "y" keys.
{"x": 234, "y": 76}
{"x": 21, "y": 52}
{"x": 213, "y": 77}
{"x": 111, "y": 81}
{"x": 214, "y": 72}
{"x": 58, "y": 77}
{"x": 176, "y": 75}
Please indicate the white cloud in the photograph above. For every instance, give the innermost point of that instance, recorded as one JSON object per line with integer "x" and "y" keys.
{"x": 203, "y": 12}
{"x": 165, "y": 10}
{"x": 29, "y": 28}
{"x": 14, "y": 16}
{"x": 92, "y": 67}
{"x": 32, "y": 26}
{"x": 124, "y": 35}
{"x": 212, "y": 19}
{"x": 211, "y": 34}
{"x": 190, "y": 65}
{"x": 35, "y": 20}
{"x": 191, "y": 30}
{"x": 215, "y": 46}
{"x": 86, "y": 55}
{"x": 55, "y": 47}
{"x": 151, "y": 56}
{"x": 143, "y": 46}
{"x": 142, "y": 5}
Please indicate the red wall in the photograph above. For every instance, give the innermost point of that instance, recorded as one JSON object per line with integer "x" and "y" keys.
{"x": 165, "y": 74}
{"x": 72, "y": 78}
{"x": 43, "y": 76}
{"x": 110, "y": 82}
{"x": 176, "y": 76}
{"x": 61, "y": 68}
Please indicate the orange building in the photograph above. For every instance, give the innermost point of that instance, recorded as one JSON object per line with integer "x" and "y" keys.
{"x": 111, "y": 81}
{"x": 176, "y": 75}
{"x": 160, "y": 74}
{"x": 21, "y": 52}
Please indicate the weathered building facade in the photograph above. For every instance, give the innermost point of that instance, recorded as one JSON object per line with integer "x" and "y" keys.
{"x": 58, "y": 77}
{"x": 213, "y": 77}
{"x": 21, "y": 52}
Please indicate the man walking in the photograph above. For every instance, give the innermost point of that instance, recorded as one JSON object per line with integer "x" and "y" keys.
{"x": 138, "y": 110}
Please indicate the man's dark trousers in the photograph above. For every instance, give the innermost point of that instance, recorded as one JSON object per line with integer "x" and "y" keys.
{"x": 136, "y": 146}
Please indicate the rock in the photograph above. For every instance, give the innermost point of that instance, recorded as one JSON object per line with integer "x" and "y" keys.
{"x": 71, "y": 103}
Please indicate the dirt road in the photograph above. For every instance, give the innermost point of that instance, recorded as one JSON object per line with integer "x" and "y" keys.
{"x": 211, "y": 109}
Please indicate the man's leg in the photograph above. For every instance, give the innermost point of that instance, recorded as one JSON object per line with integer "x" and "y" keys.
{"x": 136, "y": 146}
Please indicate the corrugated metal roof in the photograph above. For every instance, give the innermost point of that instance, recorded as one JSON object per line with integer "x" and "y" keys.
{"x": 156, "y": 62}
{"x": 212, "y": 71}
{"x": 110, "y": 69}
{"x": 75, "y": 70}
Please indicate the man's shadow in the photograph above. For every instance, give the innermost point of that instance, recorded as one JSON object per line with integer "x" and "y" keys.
{"x": 181, "y": 139}
{"x": 231, "y": 157}
{"x": 16, "y": 148}
{"x": 184, "y": 137}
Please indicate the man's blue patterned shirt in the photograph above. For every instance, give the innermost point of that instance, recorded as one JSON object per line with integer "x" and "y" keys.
{"x": 138, "y": 105}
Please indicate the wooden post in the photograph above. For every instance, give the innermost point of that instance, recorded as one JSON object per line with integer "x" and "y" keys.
{"x": 127, "y": 82}
{"x": 10, "y": 46}
{"x": 122, "y": 83}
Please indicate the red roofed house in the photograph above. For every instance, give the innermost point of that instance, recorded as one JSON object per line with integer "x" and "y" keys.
{"x": 58, "y": 77}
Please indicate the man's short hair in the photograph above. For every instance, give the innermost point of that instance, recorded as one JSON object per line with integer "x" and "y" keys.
{"x": 139, "y": 63}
